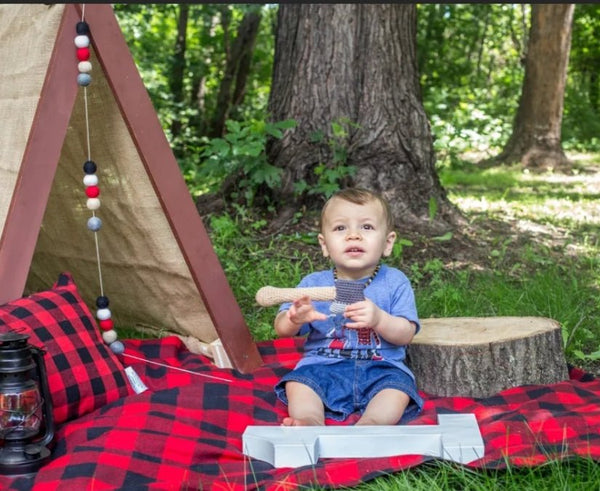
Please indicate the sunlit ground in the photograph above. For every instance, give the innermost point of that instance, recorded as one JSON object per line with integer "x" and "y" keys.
{"x": 559, "y": 209}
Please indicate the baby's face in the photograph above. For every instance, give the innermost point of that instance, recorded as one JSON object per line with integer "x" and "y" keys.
{"x": 355, "y": 237}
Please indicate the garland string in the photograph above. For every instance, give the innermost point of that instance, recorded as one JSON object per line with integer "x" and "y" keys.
{"x": 92, "y": 191}
{"x": 90, "y": 181}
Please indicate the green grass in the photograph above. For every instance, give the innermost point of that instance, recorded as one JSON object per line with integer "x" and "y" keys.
{"x": 543, "y": 260}
{"x": 251, "y": 261}
{"x": 576, "y": 474}
{"x": 547, "y": 264}
{"x": 555, "y": 271}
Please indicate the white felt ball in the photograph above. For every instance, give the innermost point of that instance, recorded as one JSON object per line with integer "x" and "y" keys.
{"x": 103, "y": 314}
{"x": 117, "y": 347}
{"x": 82, "y": 41}
{"x": 93, "y": 203}
{"x": 109, "y": 336}
{"x": 84, "y": 66}
{"x": 94, "y": 224}
{"x": 90, "y": 180}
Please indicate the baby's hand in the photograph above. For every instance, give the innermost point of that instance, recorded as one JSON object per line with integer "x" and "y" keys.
{"x": 362, "y": 314}
{"x": 302, "y": 311}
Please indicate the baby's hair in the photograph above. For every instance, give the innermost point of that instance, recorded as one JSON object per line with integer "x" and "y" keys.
{"x": 361, "y": 196}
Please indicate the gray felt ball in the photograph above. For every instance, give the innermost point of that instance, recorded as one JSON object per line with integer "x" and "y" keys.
{"x": 117, "y": 347}
{"x": 84, "y": 79}
{"x": 94, "y": 224}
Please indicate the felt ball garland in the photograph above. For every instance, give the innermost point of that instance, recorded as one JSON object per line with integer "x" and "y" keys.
{"x": 92, "y": 188}
{"x": 92, "y": 191}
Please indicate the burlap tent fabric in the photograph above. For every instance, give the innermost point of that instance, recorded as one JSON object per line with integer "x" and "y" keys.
{"x": 144, "y": 273}
{"x": 24, "y": 61}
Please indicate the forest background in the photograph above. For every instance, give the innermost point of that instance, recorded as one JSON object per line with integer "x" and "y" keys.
{"x": 529, "y": 244}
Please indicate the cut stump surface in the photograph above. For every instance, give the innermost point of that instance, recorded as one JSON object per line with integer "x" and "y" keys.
{"x": 481, "y": 356}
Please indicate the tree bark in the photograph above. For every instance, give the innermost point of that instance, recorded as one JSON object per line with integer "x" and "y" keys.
{"x": 481, "y": 356}
{"x": 237, "y": 66}
{"x": 536, "y": 137}
{"x": 177, "y": 74}
{"x": 356, "y": 63}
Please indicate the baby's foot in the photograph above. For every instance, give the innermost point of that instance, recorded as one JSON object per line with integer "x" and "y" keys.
{"x": 289, "y": 421}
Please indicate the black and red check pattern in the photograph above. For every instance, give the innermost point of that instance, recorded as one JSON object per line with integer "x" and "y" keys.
{"x": 83, "y": 374}
{"x": 186, "y": 431}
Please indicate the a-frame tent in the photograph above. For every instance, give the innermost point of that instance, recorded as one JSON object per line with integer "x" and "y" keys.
{"x": 159, "y": 268}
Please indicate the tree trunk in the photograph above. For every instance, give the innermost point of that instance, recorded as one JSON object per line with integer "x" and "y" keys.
{"x": 536, "y": 135}
{"x": 481, "y": 356}
{"x": 178, "y": 72}
{"x": 236, "y": 71}
{"x": 356, "y": 63}
{"x": 593, "y": 90}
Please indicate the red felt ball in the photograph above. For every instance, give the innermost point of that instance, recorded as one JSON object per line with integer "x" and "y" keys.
{"x": 92, "y": 191}
{"x": 106, "y": 324}
{"x": 83, "y": 54}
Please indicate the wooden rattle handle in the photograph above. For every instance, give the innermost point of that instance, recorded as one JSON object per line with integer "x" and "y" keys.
{"x": 270, "y": 295}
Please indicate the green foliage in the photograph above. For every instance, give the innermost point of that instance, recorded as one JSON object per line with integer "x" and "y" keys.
{"x": 150, "y": 31}
{"x": 398, "y": 248}
{"x": 331, "y": 173}
{"x": 471, "y": 73}
{"x": 471, "y": 68}
{"x": 470, "y": 61}
{"x": 581, "y": 120}
{"x": 259, "y": 261}
{"x": 240, "y": 153}
{"x": 462, "y": 45}
{"x": 472, "y": 125}
{"x": 535, "y": 277}
{"x": 433, "y": 206}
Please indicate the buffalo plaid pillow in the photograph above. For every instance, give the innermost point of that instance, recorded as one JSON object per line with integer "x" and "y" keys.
{"x": 83, "y": 373}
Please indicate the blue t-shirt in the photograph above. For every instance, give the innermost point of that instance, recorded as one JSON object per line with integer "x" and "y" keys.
{"x": 328, "y": 340}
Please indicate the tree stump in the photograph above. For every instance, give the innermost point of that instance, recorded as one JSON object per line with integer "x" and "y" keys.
{"x": 480, "y": 356}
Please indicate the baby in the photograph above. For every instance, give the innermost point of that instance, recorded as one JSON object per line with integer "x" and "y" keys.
{"x": 354, "y": 356}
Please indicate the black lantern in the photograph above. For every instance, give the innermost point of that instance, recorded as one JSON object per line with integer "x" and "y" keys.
{"x": 25, "y": 406}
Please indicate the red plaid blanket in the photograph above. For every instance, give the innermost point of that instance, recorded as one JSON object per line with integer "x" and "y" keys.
{"x": 186, "y": 431}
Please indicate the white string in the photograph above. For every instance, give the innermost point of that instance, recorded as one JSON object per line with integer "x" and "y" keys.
{"x": 89, "y": 154}
{"x": 87, "y": 125}
{"x": 98, "y": 261}
{"x": 145, "y": 360}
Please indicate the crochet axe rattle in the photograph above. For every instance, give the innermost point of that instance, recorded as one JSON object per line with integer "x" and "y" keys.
{"x": 345, "y": 292}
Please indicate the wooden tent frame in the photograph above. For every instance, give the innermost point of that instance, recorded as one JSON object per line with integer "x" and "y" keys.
{"x": 42, "y": 153}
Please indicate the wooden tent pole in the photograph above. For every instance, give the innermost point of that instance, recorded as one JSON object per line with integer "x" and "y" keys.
{"x": 40, "y": 160}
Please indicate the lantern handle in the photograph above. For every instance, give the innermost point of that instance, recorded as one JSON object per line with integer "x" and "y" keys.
{"x": 38, "y": 356}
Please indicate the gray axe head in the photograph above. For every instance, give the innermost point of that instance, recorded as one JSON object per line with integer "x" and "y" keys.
{"x": 346, "y": 293}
